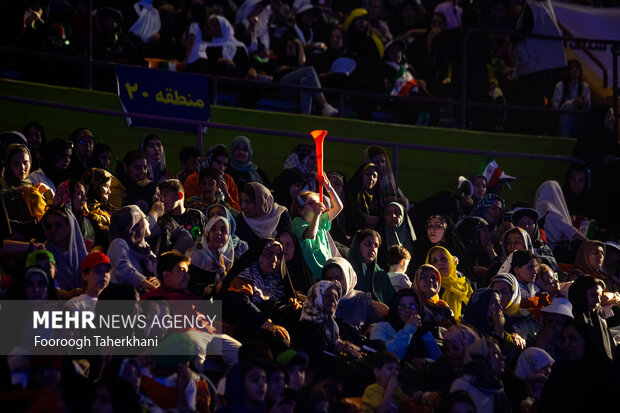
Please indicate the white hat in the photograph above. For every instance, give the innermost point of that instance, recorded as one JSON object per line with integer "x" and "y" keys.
{"x": 344, "y": 65}
{"x": 560, "y": 306}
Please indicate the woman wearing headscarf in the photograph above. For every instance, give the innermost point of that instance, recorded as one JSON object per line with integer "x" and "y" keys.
{"x": 590, "y": 258}
{"x": 72, "y": 194}
{"x": 362, "y": 41}
{"x": 241, "y": 167}
{"x": 83, "y": 146}
{"x": 527, "y": 218}
{"x": 365, "y": 196}
{"x": 344, "y": 225}
{"x": 478, "y": 242}
{"x": 387, "y": 182}
{"x": 534, "y": 366}
{"x": 261, "y": 217}
{"x": 585, "y": 295}
{"x": 64, "y": 241}
{"x": 439, "y": 230}
{"x": 224, "y": 45}
{"x": 484, "y": 363}
{"x": 303, "y": 157}
{"x": 133, "y": 262}
{"x": 450, "y": 365}
{"x": 490, "y": 207}
{"x": 404, "y": 333}
{"x": 363, "y": 257}
{"x": 355, "y": 308}
{"x": 255, "y": 289}
{"x": 427, "y": 283}
{"x": 54, "y": 164}
{"x": 584, "y": 380}
{"x": 97, "y": 183}
{"x": 318, "y": 331}
{"x": 396, "y": 229}
{"x": 485, "y": 314}
{"x": 301, "y": 276}
{"x": 252, "y": 26}
{"x": 36, "y": 142}
{"x": 287, "y": 186}
{"x": 456, "y": 288}
{"x": 582, "y": 200}
{"x": 213, "y": 255}
{"x": 551, "y": 207}
{"x": 153, "y": 147}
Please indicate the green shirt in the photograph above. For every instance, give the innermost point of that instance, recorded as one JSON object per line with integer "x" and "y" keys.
{"x": 316, "y": 251}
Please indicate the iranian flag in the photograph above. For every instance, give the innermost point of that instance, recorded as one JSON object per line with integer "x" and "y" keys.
{"x": 492, "y": 172}
{"x": 405, "y": 83}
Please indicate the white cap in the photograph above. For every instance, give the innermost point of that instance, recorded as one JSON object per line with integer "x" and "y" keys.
{"x": 560, "y": 306}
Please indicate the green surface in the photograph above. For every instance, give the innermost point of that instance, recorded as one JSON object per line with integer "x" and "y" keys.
{"x": 421, "y": 173}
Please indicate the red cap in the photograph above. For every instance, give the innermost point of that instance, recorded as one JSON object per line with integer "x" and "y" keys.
{"x": 93, "y": 259}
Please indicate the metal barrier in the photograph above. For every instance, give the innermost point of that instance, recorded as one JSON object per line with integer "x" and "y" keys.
{"x": 200, "y": 125}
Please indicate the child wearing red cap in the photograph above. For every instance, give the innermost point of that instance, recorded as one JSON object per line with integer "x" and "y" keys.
{"x": 96, "y": 276}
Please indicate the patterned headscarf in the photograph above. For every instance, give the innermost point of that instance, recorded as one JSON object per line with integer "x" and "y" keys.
{"x": 297, "y": 159}
{"x": 480, "y": 209}
{"x": 313, "y": 308}
{"x": 515, "y": 300}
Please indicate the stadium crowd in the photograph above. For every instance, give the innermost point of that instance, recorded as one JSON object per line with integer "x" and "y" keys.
{"x": 367, "y": 301}
{"x": 390, "y": 47}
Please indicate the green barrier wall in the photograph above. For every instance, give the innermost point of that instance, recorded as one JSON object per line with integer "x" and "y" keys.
{"x": 421, "y": 173}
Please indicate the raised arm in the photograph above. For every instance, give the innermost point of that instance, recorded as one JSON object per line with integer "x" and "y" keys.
{"x": 333, "y": 196}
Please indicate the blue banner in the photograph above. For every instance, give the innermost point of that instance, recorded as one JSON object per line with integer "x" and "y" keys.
{"x": 159, "y": 92}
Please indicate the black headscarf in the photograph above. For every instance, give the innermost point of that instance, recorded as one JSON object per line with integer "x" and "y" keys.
{"x": 476, "y": 312}
{"x": 282, "y": 183}
{"x": 55, "y": 151}
{"x": 593, "y": 320}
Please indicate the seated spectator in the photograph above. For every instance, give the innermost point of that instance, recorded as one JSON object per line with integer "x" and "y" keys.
{"x": 241, "y": 167}
{"x": 403, "y": 333}
{"x": 571, "y": 93}
{"x": 484, "y": 363}
{"x": 582, "y": 200}
{"x": 253, "y": 290}
{"x": 398, "y": 260}
{"x": 97, "y": 183}
{"x": 54, "y": 164}
{"x": 96, "y": 277}
{"x": 189, "y": 158}
{"x": 83, "y": 146}
{"x": 246, "y": 388}
{"x": 37, "y": 284}
{"x": 72, "y": 194}
{"x": 554, "y": 317}
{"x": 318, "y": 331}
{"x": 365, "y": 192}
{"x": 133, "y": 262}
{"x": 363, "y": 257}
{"x": 450, "y": 365}
{"x": 208, "y": 179}
{"x": 195, "y": 38}
{"x": 456, "y": 288}
{"x": 172, "y": 272}
{"x": 355, "y": 308}
{"x": 522, "y": 264}
{"x": 252, "y": 26}
{"x": 385, "y": 394}
{"x": 590, "y": 258}
{"x": 153, "y": 147}
{"x": 565, "y": 389}
{"x": 527, "y": 218}
{"x": 490, "y": 207}
{"x": 303, "y": 158}
{"x": 229, "y": 55}
{"x": 534, "y": 366}
{"x": 367, "y": 46}
{"x": 102, "y": 155}
{"x": 64, "y": 241}
{"x": 261, "y": 217}
{"x": 585, "y": 295}
{"x": 551, "y": 205}
{"x": 180, "y": 226}
{"x": 288, "y": 185}
{"x": 133, "y": 169}
{"x": 547, "y": 281}
{"x": 427, "y": 283}
{"x": 35, "y": 136}
{"x": 389, "y": 188}
{"x": 213, "y": 255}
{"x": 397, "y": 228}
{"x": 216, "y": 158}
{"x": 301, "y": 276}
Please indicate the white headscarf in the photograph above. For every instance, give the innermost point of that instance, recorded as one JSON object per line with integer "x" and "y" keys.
{"x": 208, "y": 259}
{"x": 350, "y": 277}
{"x": 261, "y": 28}
{"x": 550, "y": 199}
{"x": 267, "y": 212}
{"x": 531, "y": 360}
{"x": 227, "y": 42}
{"x": 148, "y": 23}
